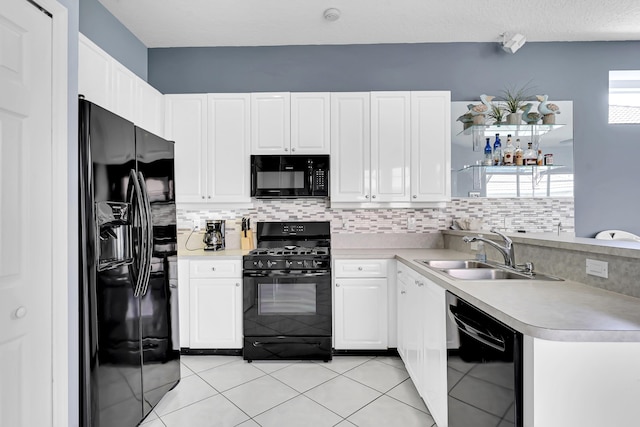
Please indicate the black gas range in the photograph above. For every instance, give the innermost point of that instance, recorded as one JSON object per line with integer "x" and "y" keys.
{"x": 287, "y": 292}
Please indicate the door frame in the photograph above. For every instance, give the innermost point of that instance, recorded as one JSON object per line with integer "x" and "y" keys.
{"x": 61, "y": 284}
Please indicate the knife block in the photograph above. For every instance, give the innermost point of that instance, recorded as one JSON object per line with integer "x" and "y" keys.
{"x": 246, "y": 243}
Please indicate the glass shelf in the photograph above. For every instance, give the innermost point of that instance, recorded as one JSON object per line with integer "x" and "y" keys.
{"x": 511, "y": 169}
{"x": 504, "y": 129}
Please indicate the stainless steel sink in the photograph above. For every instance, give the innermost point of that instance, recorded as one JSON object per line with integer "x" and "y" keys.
{"x": 484, "y": 274}
{"x": 477, "y": 270}
{"x": 455, "y": 263}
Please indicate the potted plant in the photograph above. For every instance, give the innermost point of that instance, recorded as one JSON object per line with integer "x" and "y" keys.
{"x": 497, "y": 113}
{"x": 514, "y": 99}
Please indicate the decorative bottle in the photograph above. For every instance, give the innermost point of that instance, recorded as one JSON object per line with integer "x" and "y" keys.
{"x": 518, "y": 154}
{"x": 497, "y": 151}
{"x": 530, "y": 156}
{"x": 540, "y": 159}
{"x": 508, "y": 152}
{"x": 488, "y": 154}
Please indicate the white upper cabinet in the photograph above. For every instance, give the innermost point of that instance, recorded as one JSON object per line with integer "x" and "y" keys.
{"x": 390, "y": 146}
{"x": 150, "y": 114}
{"x": 431, "y": 146}
{"x": 290, "y": 123}
{"x": 94, "y": 73}
{"x": 186, "y": 124}
{"x": 123, "y": 92}
{"x": 211, "y": 134}
{"x": 270, "y": 123}
{"x": 310, "y": 123}
{"x": 229, "y": 137}
{"x": 350, "y": 147}
{"x": 106, "y": 82}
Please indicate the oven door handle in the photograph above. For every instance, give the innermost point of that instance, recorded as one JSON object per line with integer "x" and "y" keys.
{"x": 474, "y": 333}
{"x": 287, "y": 273}
{"x": 266, "y": 344}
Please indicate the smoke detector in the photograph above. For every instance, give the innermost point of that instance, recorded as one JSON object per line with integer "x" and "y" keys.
{"x": 331, "y": 14}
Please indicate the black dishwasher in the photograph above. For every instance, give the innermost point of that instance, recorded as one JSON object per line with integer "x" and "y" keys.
{"x": 484, "y": 372}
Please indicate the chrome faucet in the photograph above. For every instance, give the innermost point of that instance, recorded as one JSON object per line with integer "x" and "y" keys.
{"x": 506, "y": 250}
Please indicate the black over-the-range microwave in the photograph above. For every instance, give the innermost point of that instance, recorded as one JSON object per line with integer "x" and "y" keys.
{"x": 274, "y": 177}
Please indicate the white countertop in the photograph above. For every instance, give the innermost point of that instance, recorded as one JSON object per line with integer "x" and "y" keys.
{"x": 551, "y": 310}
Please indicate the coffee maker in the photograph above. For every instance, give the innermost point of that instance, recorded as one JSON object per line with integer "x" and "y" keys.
{"x": 214, "y": 235}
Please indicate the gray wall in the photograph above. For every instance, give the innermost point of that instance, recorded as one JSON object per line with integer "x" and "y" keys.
{"x": 101, "y": 27}
{"x": 606, "y": 156}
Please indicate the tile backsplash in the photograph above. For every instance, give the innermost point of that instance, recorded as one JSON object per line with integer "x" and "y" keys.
{"x": 532, "y": 215}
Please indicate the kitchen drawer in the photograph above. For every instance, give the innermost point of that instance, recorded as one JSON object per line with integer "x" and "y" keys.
{"x": 361, "y": 268}
{"x": 215, "y": 268}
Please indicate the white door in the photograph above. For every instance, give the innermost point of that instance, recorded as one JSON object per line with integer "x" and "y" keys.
{"x": 390, "y": 146}
{"x": 270, "y": 123}
{"x": 186, "y": 124}
{"x": 229, "y": 129}
{"x": 430, "y": 146}
{"x": 310, "y": 123}
{"x": 361, "y": 314}
{"x": 350, "y": 147}
{"x": 94, "y": 73}
{"x": 215, "y": 312}
{"x": 25, "y": 215}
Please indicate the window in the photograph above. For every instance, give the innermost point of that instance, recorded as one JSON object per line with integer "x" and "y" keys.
{"x": 624, "y": 97}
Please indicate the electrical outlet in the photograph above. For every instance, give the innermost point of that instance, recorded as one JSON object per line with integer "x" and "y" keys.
{"x": 473, "y": 246}
{"x": 411, "y": 223}
{"x": 196, "y": 224}
{"x": 598, "y": 268}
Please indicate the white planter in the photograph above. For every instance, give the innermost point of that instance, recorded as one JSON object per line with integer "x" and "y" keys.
{"x": 514, "y": 118}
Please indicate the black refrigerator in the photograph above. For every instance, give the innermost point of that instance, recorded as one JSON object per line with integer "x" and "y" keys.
{"x": 130, "y": 354}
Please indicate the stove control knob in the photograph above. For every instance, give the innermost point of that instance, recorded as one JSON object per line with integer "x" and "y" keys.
{"x": 270, "y": 263}
{"x": 288, "y": 264}
{"x": 257, "y": 264}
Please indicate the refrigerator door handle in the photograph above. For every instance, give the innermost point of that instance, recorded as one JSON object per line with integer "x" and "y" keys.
{"x": 137, "y": 201}
{"x": 148, "y": 233}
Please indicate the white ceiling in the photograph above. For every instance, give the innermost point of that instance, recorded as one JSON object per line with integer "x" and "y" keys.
{"x": 174, "y": 23}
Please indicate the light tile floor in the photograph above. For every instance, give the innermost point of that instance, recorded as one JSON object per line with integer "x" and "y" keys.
{"x": 349, "y": 391}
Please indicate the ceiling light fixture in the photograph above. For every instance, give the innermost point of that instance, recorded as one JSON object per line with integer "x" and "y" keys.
{"x": 514, "y": 43}
{"x": 332, "y": 14}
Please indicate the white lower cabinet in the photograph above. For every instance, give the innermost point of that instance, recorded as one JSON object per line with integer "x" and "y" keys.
{"x": 183, "y": 301}
{"x": 422, "y": 339}
{"x": 585, "y": 384}
{"x": 214, "y": 315}
{"x": 361, "y": 303}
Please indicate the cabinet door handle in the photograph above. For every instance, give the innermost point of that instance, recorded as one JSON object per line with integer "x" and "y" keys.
{"x": 366, "y": 197}
{"x": 373, "y": 197}
{"x": 237, "y": 285}
{"x": 420, "y": 284}
{"x": 293, "y": 149}
{"x": 403, "y": 292}
{"x": 286, "y": 149}
{"x": 20, "y": 312}
{"x": 337, "y": 285}
{"x": 360, "y": 268}
{"x": 213, "y": 269}
{"x": 415, "y": 197}
{"x": 203, "y": 197}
